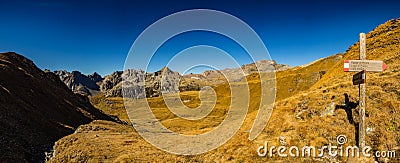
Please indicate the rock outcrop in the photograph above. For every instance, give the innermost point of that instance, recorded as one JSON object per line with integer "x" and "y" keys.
{"x": 109, "y": 85}
{"x": 95, "y": 77}
{"x": 79, "y": 83}
{"x": 154, "y": 84}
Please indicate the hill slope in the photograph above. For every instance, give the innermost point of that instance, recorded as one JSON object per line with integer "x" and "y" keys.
{"x": 300, "y": 78}
{"x": 301, "y": 118}
{"x": 36, "y": 110}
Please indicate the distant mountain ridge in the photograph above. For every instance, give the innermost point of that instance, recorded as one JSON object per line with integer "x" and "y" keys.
{"x": 111, "y": 85}
{"x": 238, "y": 74}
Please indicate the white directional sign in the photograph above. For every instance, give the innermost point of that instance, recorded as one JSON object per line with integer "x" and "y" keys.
{"x": 367, "y": 65}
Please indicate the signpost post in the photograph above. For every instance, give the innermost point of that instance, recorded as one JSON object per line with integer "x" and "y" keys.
{"x": 362, "y": 66}
{"x": 361, "y": 125}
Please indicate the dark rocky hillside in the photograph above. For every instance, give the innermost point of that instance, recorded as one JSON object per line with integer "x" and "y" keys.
{"x": 37, "y": 110}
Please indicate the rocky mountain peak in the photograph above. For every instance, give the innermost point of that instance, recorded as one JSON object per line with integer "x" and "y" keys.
{"x": 80, "y": 83}
{"x": 95, "y": 77}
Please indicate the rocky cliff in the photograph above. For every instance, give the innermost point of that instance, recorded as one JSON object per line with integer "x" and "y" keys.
{"x": 155, "y": 83}
{"x": 79, "y": 83}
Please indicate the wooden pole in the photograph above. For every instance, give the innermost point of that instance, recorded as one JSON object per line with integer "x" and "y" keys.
{"x": 361, "y": 131}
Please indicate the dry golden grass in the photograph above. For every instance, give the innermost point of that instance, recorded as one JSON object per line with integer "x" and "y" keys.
{"x": 302, "y": 96}
{"x": 113, "y": 106}
{"x": 383, "y": 99}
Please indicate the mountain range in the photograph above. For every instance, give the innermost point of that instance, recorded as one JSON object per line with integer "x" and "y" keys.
{"x": 111, "y": 85}
{"x": 65, "y": 116}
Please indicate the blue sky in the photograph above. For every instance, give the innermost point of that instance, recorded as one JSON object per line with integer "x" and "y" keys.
{"x": 96, "y": 36}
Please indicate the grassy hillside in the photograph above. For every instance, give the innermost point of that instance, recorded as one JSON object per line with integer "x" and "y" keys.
{"x": 304, "y": 97}
{"x": 300, "y": 78}
{"x": 300, "y": 119}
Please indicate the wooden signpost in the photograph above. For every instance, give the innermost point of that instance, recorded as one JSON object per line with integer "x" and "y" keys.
{"x": 363, "y": 66}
